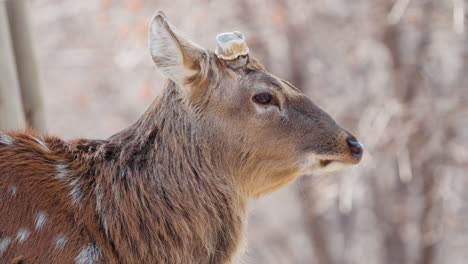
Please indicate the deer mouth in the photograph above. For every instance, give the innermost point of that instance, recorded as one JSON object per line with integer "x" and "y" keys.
{"x": 331, "y": 166}
{"x": 324, "y": 163}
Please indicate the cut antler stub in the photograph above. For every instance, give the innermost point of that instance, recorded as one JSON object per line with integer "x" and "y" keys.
{"x": 231, "y": 45}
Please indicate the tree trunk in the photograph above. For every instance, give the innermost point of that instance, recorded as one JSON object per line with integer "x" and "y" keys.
{"x": 314, "y": 223}
{"x": 11, "y": 111}
{"x": 26, "y": 63}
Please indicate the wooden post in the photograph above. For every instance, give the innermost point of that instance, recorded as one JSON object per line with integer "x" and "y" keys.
{"x": 11, "y": 111}
{"x": 26, "y": 63}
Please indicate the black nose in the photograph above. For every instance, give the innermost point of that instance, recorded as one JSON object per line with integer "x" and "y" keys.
{"x": 355, "y": 147}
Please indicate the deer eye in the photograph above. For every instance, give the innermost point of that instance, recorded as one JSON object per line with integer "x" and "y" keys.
{"x": 263, "y": 98}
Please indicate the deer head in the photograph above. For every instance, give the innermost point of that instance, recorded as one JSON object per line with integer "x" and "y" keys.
{"x": 266, "y": 130}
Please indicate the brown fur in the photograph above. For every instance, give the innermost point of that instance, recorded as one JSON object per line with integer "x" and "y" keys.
{"x": 173, "y": 187}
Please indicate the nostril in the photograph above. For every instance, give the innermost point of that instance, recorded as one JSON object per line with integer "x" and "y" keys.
{"x": 355, "y": 147}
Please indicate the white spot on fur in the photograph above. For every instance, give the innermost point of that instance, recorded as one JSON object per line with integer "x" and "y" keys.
{"x": 4, "y": 244}
{"x": 13, "y": 190}
{"x": 41, "y": 219}
{"x": 75, "y": 192}
{"x": 60, "y": 242}
{"x": 99, "y": 198}
{"x": 22, "y": 235}
{"x": 100, "y": 209}
{"x": 89, "y": 254}
{"x": 116, "y": 190}
{"x": 42, "y": 143}
{"x": 61, "y": 171}
{"x": 6, "y": 139}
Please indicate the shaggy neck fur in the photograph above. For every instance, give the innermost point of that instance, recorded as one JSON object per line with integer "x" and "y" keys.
{"x": 160, "y": 193}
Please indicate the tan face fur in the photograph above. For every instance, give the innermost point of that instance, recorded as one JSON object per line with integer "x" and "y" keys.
{"x": 268, "y": 143}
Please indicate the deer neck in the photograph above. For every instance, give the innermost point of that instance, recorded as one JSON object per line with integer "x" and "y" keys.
{"x": 158, "y": 183}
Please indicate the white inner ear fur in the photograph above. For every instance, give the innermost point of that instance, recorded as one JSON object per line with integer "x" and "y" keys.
{"x": 168, "y": 49}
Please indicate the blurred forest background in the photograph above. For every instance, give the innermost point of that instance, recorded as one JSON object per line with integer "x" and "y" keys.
{"x": 393, "y": 72}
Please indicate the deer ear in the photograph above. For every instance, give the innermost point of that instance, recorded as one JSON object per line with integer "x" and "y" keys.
{"x": 175, "y": 55}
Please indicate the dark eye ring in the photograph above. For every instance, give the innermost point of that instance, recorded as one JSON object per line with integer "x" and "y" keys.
{"x": 263, "y": 98}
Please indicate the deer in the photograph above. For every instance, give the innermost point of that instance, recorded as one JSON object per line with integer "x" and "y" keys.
{"x": 174, "y": 187}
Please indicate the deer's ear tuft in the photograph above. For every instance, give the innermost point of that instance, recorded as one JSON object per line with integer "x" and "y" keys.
{"x": 175, "y": 55}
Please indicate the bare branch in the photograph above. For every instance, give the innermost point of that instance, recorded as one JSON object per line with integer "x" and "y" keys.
{"x": 459, "y": 16}
{"x": 397, "y": 11}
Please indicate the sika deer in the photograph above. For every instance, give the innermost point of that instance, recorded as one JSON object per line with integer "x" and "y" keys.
{"x": 173, "y": 187}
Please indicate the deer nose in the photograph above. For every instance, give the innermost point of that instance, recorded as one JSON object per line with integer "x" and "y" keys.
{"x": 355, "y": 147}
